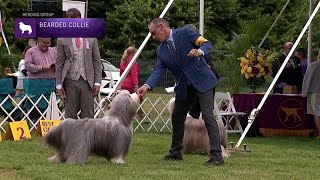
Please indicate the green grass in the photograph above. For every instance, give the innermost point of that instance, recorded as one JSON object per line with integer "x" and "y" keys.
{"x": 270, "y": 158}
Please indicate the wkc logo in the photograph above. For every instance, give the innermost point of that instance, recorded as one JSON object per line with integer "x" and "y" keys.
{"x": 291, "y": 113}
{"x": 25, "y": 28}
{"x": 59, "y": 27}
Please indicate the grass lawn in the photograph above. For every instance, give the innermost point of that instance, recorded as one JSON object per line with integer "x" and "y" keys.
{"x": 270, "y": 158}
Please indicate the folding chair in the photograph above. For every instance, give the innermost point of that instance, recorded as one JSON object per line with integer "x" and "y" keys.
{"x": 228, "y": 113}
{"x": 38, "y": 92}
{"x": 107, "y": 84}
{"x": 6, "y": 106}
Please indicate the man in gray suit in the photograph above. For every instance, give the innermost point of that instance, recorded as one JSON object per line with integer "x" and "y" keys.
{"x": 78, "y": 72}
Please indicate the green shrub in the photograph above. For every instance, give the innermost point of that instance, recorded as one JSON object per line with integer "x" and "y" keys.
{"x": 8, "y": 61}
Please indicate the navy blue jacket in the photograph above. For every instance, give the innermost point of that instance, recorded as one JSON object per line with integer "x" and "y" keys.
{"x": 187, "y": 70}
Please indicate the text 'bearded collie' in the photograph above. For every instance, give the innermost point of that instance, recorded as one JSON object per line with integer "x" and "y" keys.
{"x": 110, "y": 136}
{"x": 196, "y": 135}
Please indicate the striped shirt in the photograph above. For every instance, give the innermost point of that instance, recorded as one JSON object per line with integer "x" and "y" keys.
{"x": 36, "y": 59}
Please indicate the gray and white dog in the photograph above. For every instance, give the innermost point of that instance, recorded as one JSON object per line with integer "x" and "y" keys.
{"x": 109, "y": 136}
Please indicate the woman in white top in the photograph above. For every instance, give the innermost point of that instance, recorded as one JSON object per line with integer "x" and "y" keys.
{"x": 21, "y": 74}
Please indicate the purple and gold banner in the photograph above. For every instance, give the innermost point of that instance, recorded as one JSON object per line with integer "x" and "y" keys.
{"x": 59, "y": 27}
{"x": 280, "y": 115}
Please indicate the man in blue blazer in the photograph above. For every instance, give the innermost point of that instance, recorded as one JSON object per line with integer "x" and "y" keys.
{"x": 182, "y": 51}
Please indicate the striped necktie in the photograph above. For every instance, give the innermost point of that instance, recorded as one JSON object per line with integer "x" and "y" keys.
{"x": 171, "y": 48}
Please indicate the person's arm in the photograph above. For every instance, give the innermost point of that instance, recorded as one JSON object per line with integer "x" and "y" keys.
{"x": 30, "y": 65}
{"x": 201, "y": 44}
{"x": 59, "y": 63}
{"x": 306, "y": 81}
{"x": 59, "y": 67}
{"x": 96, "y": 59}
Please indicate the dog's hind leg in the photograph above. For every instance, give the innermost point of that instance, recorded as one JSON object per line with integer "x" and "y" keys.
{"x": 77, "y": 152}
{"x": 117, "y": 160}
{"x": 78, "y": 156}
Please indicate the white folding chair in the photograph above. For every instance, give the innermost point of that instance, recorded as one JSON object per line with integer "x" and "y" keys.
{"x": 228, "y": 113}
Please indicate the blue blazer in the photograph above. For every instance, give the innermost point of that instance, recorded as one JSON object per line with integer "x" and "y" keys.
{"x": 186, "y": 70}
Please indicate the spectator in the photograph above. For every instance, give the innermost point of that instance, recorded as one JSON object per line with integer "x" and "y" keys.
{"x": 39, "y": 59}
{"x": 311, "y": 90}
{"x": 131, "y": 81}
{"x": 22, "y": 72}
{"x": 291, "y": 74}
{"x": 78, "y": 77}
{"x": 301, "y": 53}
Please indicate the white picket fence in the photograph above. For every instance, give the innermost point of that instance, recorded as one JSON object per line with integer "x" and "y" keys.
{"x": 154, "y": 117}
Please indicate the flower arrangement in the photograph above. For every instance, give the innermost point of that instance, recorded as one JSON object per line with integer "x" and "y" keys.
{"x": 256, "y": 66}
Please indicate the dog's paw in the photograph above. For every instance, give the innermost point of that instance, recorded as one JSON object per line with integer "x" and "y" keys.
{"x": 117, "y": 160}
{"x": 54, "y": 159}
{"x": 224, "y": 152}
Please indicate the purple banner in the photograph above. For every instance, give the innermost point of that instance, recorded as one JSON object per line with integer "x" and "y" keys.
{"x": 286, "y": 112}
{"x": 59, "y": 27}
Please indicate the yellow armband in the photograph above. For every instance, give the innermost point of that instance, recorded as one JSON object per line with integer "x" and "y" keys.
{"x": 200, "y": 41}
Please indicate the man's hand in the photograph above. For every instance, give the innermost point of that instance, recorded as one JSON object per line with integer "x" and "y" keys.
{"x": 142, "y": 90}
{"x": 45, "y": 68}
{"x": 96, "y": 90}
{"x": 62, "y": 94}
{"x": 135, "y": 88}
{"x": 195, "y": 53}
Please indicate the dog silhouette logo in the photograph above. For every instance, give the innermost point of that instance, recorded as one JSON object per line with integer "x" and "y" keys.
{"x": 291, "y": 113}
{"x": 25, "y": 27}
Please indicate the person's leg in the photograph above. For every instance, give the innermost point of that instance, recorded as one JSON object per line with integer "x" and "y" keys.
{"x": 317, "y": 122}
{"x": 72, "y": 98}
{"x": 195, "y": 109}
{"x": 206, "y": 104}
{"x": 86, "y": 100}
{"x": 178, "y": 117}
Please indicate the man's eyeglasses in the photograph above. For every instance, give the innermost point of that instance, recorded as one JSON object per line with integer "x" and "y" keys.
{"x": 154, "y": 31}
{"x": 44, "y": 42}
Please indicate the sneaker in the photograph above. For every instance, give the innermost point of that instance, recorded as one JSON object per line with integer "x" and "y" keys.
{"x": 172, "y": 157}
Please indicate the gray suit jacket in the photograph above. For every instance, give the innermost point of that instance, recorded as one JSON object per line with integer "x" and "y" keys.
{"x": 311, "y": 79}
{"x": 92, "y": 60}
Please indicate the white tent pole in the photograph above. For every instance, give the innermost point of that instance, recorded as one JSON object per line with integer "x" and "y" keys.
{"x": 256, "y": 110}
{"x": 310, "y": 34}
{"x": 273, "y": 24}
{"x": 201, "y": 20}
{"x": 126, "y": 71}
{"x": 5, "y": 42}
{"x": 87, "y": 7}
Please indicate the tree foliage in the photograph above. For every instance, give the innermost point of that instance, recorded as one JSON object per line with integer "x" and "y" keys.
{"x": 228, "y": 24}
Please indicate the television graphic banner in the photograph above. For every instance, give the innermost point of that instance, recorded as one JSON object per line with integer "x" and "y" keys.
{"x": 59, "y": 27}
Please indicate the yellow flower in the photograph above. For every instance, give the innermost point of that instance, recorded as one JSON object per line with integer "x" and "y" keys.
{"x": 260, "y": 58}
{"x": 249, "y": 69}
{"x": 244, "y": 62}
{"x": 259, "y": 67}
{"x": 243, "y": 69}
{"x": 246, "y": 75}
{"x": 250, "y": 54}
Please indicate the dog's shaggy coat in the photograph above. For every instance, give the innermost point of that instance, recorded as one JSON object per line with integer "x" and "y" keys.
{"x": 109, "y": 136}
{"x": 196, "y": 135}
